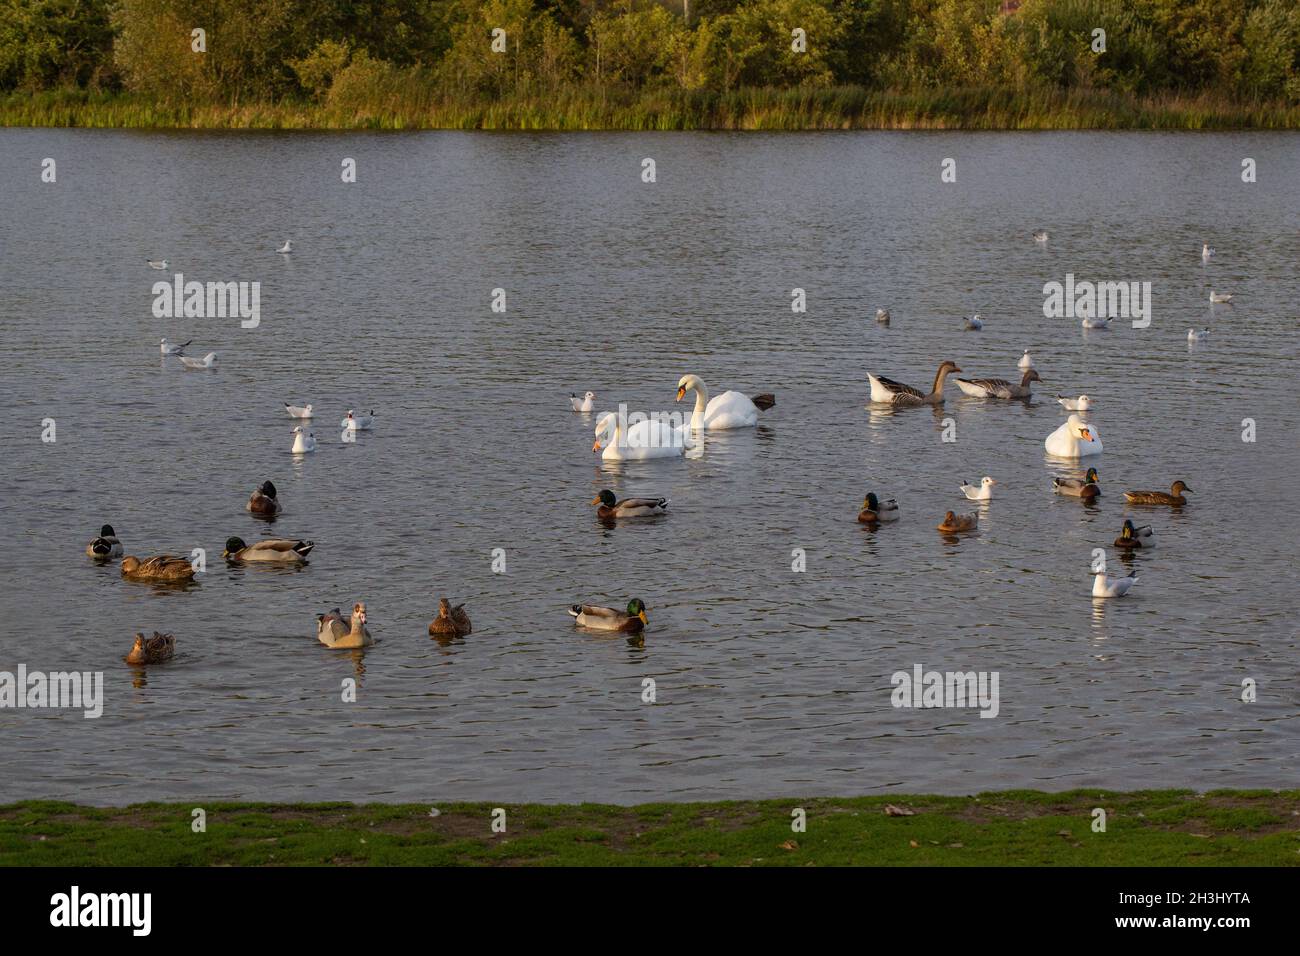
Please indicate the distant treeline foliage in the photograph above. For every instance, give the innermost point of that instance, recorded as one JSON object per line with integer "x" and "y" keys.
{"x": 345, "y": 54}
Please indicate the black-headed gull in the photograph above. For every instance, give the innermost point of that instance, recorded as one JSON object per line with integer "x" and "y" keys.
{"x": 1091, "y": 322}
{"x": 168, "y": 349}
{"x": 355, "y": 422}
{"x": 1219, "y": 296}
{"x": 974, "y": 323}
{"x": 287, "y": 247}
{"x": 584, "y": 404}
{"x": 882, "y": 316}
{"x": 981, "y": 492}
{"x": 1194, "y": 336}
{"x": 298, "y": 411}
{"x": 1040, "y": 235}
{"x": 303, "y": 441}
{"x": 208, "y": 361}
{"x": 1206, "y": 251}
{"x": 157, "y": 263}
{"x": 1081, "y": 404}
{"x": 1114, "y": 587}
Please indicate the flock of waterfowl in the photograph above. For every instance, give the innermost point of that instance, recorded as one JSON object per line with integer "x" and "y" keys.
{"x": 653, "y": 437}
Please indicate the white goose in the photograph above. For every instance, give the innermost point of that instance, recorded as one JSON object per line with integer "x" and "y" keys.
{"x": 303, "y": 441}
{"x": 649, "y": 438}
{"x": 585, "y": 404}
{"x": 728, "y": 410}
{"x": 1114, "y": 587}
{"x": 1074, "y": 439}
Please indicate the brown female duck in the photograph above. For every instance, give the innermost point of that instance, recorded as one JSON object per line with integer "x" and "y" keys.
{"x": 953, "y": 523}
{"x": 451, "y": 621}
{"x": 151, "y": 650}
{"x": 162, "y": 567}
{"x": 1172, "y": 497}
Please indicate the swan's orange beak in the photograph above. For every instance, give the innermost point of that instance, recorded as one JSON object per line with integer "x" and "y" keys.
{"x": 595, "y": 446}
{"x": 681, "y": 392}
{"x": 1087, "y": 435}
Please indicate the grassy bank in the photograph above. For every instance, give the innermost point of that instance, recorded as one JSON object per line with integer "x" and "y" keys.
{"x": 415, "y": 107}
{"x": 1152, "y": 828}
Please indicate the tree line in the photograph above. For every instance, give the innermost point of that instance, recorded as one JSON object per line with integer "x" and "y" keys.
{"x": 331, "y": 51}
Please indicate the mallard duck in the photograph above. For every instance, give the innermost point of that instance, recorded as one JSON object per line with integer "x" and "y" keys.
{"x": 303, "y": 441}
{"x": 1085, "y": 487}
{"x": 106, "y": 546}
{"x": 952, "y": 523}
{"x": 981, "y": 492}
{"x": 882, "y": 316}
{"x": 628, "y": 507}
{"x": 1172, "y": 497}
{"x": 334, "y": 630}
{"x": 585, "y": 404}
{"x": 1219, "y": 297}
{"x": 162, "y": 567}
{"x": 974, "y": 323}
{"x": 1114, "y": 587}
{"x": 608, "y": 619}
{"x": 282, "y": 550}
{"x": 151, "y": 650}
{"x": 1135, "y": 537}
{"x": 999, "y": 387}
{"x": 1075, "y": 438}
{"x": 262, "y": 502}
{"x": 873, "y": 509}
{"x": 886, "y": 391}
{"x": 451, "y": 621}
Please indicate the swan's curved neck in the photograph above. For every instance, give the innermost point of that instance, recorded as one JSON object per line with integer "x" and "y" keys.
{"x": 701, "y": 403}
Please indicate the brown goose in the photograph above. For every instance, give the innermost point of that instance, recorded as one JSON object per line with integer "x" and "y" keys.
{"x": 998, "y": 387}
{"x": 886, "y": 391}
{"x": 1174, "y": 496}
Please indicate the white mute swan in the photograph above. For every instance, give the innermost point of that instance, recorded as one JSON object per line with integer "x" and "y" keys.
{"x": 1074, "y": 439}
{"x": 728, "y": 410}
{"x": 649, "y": 438}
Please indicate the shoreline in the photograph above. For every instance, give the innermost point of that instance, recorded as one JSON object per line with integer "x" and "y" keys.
{"x": 1000, "y": 828}
{"x": 754, "y": 109}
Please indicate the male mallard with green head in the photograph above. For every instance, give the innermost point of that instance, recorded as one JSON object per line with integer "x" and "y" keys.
{"x": 608, "y": 619}
{"x": 281, "y": 550}
{"x": 106, "y": 546}
{"x": 873, "y": 509}
{"x": 628, "y": 507}
{"x": 263, "y": 502}
{"x": 1133, "y": 538}
{"x": 1172, "y": 497}
{"x": 1086, "y": 487}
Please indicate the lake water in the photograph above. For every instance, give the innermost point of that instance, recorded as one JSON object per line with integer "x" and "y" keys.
{"x": 768, "y": 682}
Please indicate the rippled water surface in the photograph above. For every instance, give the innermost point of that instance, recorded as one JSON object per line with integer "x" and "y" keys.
{"x": 769, "y": 682}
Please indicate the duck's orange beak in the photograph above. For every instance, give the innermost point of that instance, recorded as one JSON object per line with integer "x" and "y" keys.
{"x": 596, "y": 500}
{"x": 644, "y": 619}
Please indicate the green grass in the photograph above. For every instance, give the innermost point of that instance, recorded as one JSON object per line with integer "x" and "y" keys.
{"x": 1010, "y": 828}
{"x": 412, "y": 106}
